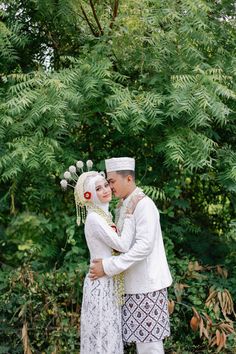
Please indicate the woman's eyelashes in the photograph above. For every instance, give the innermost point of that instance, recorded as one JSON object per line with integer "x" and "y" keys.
{"x": 98, "y": 188}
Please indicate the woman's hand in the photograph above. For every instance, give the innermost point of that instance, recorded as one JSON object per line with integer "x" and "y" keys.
{"x": 96, "y": 269}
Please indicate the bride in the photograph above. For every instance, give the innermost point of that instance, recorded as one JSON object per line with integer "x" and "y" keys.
{"x": 100, "y": 329}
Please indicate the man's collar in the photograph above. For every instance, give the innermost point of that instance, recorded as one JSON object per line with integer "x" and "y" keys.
{"x": 126, "y": 200}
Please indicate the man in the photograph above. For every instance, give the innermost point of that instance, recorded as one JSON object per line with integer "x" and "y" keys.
{"x": 145, "y": 317}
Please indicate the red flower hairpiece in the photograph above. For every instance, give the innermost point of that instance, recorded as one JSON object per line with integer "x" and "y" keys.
{"x": 87, "y": 195}
{"x": 114, "y": 228}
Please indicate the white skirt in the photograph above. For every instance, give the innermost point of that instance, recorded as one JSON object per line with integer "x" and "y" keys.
{"x": 100, "y": 331}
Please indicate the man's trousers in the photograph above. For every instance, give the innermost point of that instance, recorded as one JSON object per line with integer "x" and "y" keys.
{"x": 150, "y": 348}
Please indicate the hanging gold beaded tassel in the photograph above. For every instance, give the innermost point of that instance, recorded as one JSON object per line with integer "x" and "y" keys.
{"x": 119, "y": 284}
{"x": 81, "y": 213}
{"x": 78, "y": 215}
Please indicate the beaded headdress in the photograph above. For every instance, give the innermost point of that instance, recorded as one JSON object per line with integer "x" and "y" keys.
{"x": 82, "y": 197}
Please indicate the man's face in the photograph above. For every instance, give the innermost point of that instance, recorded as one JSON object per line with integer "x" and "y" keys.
{"x": 119, "y": 184}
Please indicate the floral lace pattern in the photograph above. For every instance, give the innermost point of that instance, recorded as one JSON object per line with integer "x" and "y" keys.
{"x": 100, "y": 318}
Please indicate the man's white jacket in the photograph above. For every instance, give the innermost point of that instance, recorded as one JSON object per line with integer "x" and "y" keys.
{"x": 145, "y": 264}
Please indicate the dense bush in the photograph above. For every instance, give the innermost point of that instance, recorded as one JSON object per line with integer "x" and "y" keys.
{"x": 45, "y": 309}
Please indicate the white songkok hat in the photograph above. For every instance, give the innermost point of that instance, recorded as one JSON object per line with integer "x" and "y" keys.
{"x": 120, "y": 164}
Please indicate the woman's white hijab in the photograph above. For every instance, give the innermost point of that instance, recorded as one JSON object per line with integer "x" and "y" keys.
{"x": 90, "y": 185}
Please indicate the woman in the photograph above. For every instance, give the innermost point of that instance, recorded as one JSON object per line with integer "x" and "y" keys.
{"x": 101, "y": 313}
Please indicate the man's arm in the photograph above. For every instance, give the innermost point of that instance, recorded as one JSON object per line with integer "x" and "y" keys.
{"x": 145, "y": 216}
{"x": 100, "y": 229}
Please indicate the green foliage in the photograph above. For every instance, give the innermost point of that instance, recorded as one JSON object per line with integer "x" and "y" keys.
{"x": 189, "y": 295}
{"x": 82, "y": 79}
{"x": 48, "y": 303}
{"x": 10, "y": 40}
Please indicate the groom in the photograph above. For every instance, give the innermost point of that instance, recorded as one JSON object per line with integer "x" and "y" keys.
{"x": 145, "y": 312}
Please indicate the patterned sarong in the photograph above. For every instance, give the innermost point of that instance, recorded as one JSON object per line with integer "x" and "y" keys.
{"x": 145, "y": 317}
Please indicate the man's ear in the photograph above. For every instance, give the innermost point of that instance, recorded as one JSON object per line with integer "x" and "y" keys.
{"x": 130, "y": 178}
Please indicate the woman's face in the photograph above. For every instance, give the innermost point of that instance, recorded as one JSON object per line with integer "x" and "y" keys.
{"x": 103, "y": 191}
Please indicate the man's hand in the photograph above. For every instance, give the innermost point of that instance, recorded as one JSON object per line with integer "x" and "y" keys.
{"x": 96, "y": 269}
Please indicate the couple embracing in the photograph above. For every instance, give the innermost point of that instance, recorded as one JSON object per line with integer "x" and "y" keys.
{"x": 125, "y": 292}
